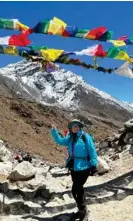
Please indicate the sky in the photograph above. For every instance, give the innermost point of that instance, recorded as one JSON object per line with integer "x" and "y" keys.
{"x": 116, "y": 16}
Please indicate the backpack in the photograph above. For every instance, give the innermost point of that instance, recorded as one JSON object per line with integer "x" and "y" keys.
{"x": 84, "y": 137}
{"x": 70, "y": 163}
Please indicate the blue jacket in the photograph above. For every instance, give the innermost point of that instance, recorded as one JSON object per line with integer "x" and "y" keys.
{"x": 81, "y": 149}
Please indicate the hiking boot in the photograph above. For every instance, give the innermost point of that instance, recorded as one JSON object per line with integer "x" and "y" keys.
{"x": 75, "y": 216}
{"x": 83, "y": 215}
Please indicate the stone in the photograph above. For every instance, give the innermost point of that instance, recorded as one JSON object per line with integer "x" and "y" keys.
{"x": 58, "y": 171}
{"x": 131, "y": 141}
{"x": 103, "y": 144}
{"x": 128, "y": 137}
{"x": 126, "y": 147}
{"x": 5, "y": 168}
{"x": 129, "y": 123}
{"x": 131, "y": 149}
{"x": 66, "y": 198}
{"x": 42, "y": 170}
{"x": 22, "y": 171}
{"x": 5, "y": 154}
{"x": 102, "y": 167}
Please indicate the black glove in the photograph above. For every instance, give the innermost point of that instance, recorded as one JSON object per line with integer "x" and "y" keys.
{"x": 92, "y": 170}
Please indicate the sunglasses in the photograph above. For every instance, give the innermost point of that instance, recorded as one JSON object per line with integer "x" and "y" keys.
{"x": 75, "y": 126}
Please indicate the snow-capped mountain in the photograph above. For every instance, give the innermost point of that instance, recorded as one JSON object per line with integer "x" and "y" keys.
{"x": 62, "y": 88}
{"x": 129, "y": 104}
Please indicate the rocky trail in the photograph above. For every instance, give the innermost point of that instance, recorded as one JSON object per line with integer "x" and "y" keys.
{"x": 50, "y": 198}
{"x": 40, "y": 191}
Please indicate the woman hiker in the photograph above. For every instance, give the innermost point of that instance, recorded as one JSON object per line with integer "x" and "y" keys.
{"x": 82, "y": 161}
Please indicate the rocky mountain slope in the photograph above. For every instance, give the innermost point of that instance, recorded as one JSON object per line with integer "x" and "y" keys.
{"x": 64, "y": 89}
{"x": 26, "y": 125}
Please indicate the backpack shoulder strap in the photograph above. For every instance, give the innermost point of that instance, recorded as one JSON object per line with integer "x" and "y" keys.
{"x": 83, "y": 137}
{"x": 84, "y": 140}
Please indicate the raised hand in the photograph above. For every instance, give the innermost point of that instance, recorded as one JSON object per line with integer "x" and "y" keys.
{"x": 53, "y": 126}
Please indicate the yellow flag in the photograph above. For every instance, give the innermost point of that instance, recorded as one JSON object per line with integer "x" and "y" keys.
{"x": 22, "y": 26}
{"x": 59, "y": 21}
{"x": 56, "y": 26}
{"x": 124, "y": 56}
{"x": 117, "y": 43}
{"x": 11, "y": 50}
{"x": 130, "y": 60}
{"x": 19, "y": 26}
{"x": 51, "y": 54}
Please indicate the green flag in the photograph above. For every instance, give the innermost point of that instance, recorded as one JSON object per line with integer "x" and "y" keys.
{"x": 113, "y": 52}
{"x": 6, "y": 24}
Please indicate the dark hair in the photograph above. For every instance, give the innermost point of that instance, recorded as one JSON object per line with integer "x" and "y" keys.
{"x": 73, "y": 137}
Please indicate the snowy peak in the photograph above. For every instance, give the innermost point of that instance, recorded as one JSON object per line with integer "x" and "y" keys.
{"x": 62, "y": 88}
{"x": 49, "y": 88}
{"x": 128, "y": 104}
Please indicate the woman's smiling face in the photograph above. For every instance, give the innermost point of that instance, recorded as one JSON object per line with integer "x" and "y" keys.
{"x": 75, "y": 128}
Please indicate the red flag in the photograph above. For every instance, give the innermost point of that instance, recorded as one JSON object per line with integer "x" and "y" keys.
{"x": 66, "y": 132}
{"x": 28, "y": 31}
{"x": 19, "y": 40}
{"x": 100, "y": 52}
{"x": 123, "y": 38}
{"x": 65, "y": 33}
{"x": 95, "y": 33}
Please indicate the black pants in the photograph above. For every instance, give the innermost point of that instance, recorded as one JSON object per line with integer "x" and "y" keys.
{"x": 79, "y": 178}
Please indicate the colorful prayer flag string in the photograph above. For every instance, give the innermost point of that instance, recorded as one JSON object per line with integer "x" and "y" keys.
{"x": 47, "y": 65}
{"x": 56, "y": 26}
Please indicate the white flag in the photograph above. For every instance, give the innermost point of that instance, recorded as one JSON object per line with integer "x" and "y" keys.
{"x": 88, "y": 51}
{"x": 4, "y": 40}
{"x": 124, "y": 70}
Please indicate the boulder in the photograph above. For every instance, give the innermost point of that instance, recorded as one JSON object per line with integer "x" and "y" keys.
{"x": 103, "y": 144}
{"x": 131, "y": 149}
{"x": 121, "y": 130}
{"x": 5, "y": 154}
{"x": 131, "y": 141}
{"x": 56, "y": 172}
{"x": 102, "y": 167}
{"x": 128, "y": 137}
{"x": 5, "y": 168}
{"x": 42, "y": 170}
{"x": 129, "y": 123}
{"x": 23, "y": 171}
{"x": 110, "y": 138}
{"x": 126, "y": 148}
